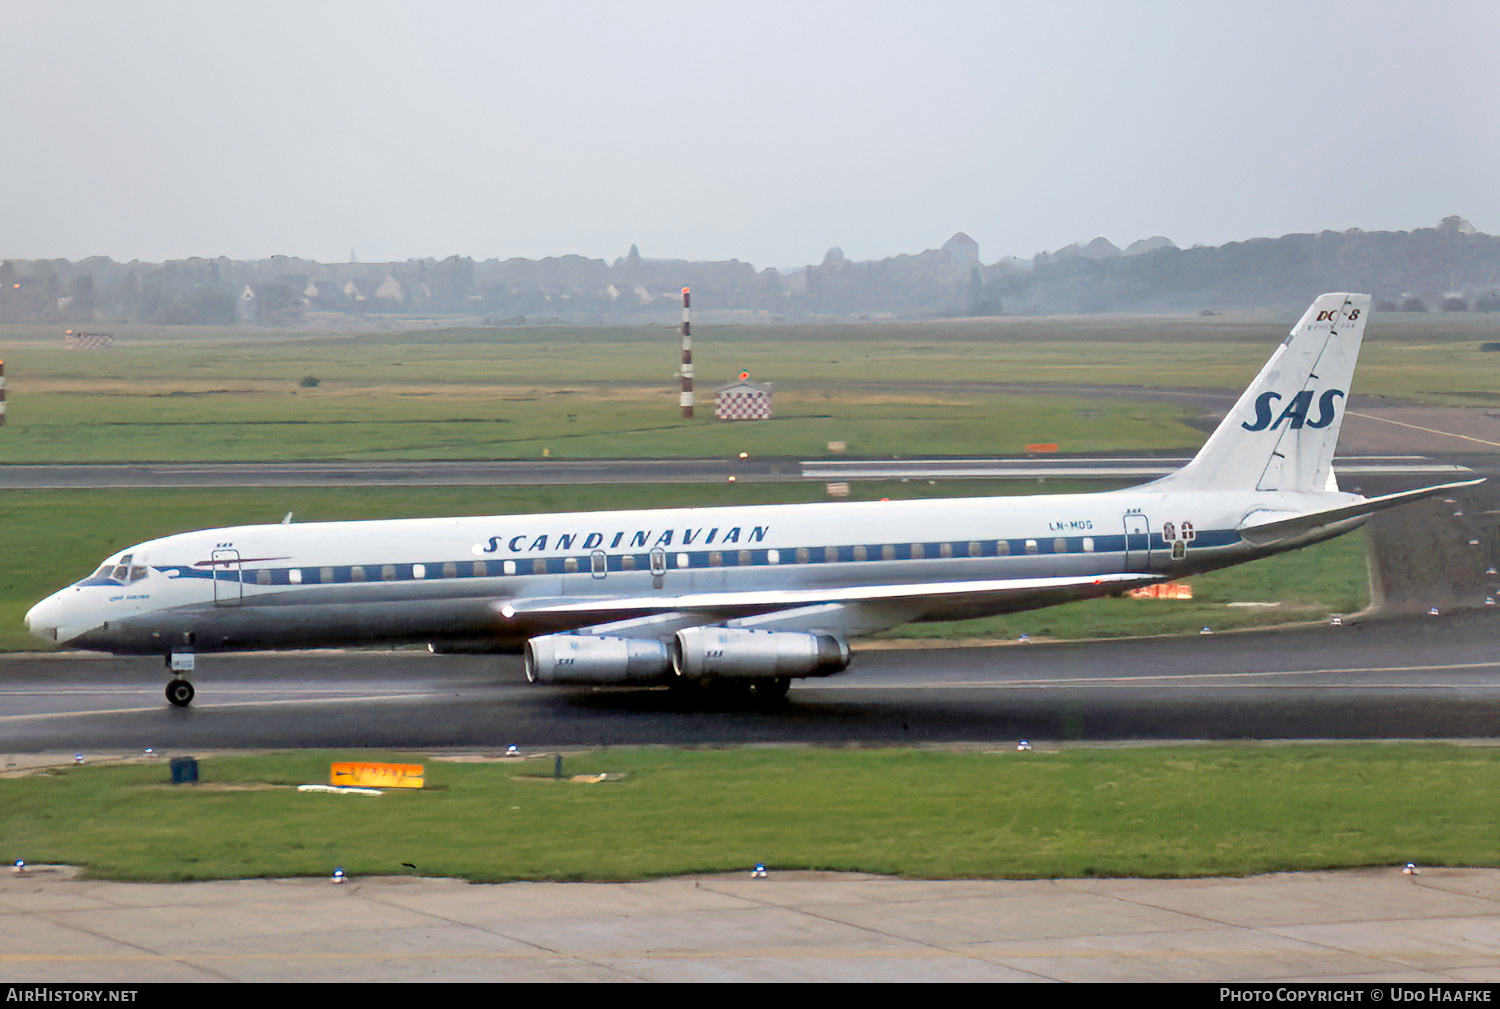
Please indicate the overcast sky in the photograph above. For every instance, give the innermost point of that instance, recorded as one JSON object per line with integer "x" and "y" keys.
{"x": 763, "y": 131}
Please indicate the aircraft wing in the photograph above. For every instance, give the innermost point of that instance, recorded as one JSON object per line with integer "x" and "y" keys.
{"x": 713, "y": 606}
{"x": 1275, "y": 526}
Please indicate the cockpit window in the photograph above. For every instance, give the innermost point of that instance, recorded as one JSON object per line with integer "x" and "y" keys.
{"x": 120, "y": 572}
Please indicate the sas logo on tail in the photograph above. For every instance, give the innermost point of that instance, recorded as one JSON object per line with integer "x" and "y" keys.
{"x": 1295, "y": 412}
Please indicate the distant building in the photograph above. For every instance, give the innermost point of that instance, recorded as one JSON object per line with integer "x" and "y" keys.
{"x": 743, "y": 400}
{"x": 963, "y": 250}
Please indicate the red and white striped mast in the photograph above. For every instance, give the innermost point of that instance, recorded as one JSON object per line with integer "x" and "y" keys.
{"x": 687, "y": 354}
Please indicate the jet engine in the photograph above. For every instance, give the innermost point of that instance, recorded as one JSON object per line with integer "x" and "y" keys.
{"x": 585, "y": 659}
{"x": 739, "y": 652}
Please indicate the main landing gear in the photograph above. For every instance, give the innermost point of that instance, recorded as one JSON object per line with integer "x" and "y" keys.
{"x": 734, "y": 693}
{"x": 179, "y": 690}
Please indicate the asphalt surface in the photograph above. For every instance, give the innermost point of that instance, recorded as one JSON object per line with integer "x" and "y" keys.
{"x": 1408, "y": 677}
{"x": 558, "y": 472}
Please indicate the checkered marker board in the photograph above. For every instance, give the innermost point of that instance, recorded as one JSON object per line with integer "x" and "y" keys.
{"x": 743, "y": 404}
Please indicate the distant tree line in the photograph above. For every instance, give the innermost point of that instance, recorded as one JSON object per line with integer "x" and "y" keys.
{"x": 1449, "y": 268}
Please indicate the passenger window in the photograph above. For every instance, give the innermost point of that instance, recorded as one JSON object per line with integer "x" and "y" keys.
{"x": 450, "y": 569}
{"x": 1059, "y": 546}
{"x": 773, "y": 556}
{"x": 715, "y": 559}
{"x": 356, "y": 574}
{"x": 570, "y": 564}
{"x": 976, "y": 548}
{"x": 510, "y": 567}
{"x": 861, "y": 554}
{"x": 539, "y": 566}
{"x": 1002, "y": 547}
{"x": 918, "y": 551}
{"x": 627, "y": 563}
{"x": 263, "y": 577}
{"x": 831, "y": 555}
{"x": 945, "y": 549}
{"x": 745, "y": 559}
{"x": 480, "y": 569}
{"x": 388, "y": 573}
{"x": 294, "y": 576}
{"x": 888, "y": 552}
{"x": 1088, "y": 544}
{"x": 325, "y": 575}
{"x": 1031, "y": 546}
{"x": 803, "y": 555}
{"x": 419, "y": 571}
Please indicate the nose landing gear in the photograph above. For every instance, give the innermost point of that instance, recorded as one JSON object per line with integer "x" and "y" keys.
{"x": 179, "y": 690}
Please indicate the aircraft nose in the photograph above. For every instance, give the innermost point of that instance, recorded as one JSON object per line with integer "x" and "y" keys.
{"x": 42, "y": 619}
{"x": 45, "y": 618}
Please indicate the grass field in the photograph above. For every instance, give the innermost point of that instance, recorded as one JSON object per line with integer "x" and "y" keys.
{"x": 1179, "y": 811}
{"x": 884, "y": 389}
{"x": 50, "y": 539}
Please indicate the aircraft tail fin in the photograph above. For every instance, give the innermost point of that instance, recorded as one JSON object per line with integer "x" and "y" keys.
{"x": 1281, "y": 433}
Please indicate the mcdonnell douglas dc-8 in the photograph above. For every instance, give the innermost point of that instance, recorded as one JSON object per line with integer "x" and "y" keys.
{"x": 745, "y": 598}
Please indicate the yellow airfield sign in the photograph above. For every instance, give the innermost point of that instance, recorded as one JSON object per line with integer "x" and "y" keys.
{"x": 364, "y": 774}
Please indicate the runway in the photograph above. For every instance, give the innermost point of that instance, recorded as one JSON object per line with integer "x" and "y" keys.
{"x": 1408, "y": 677}
{"x": 561, "y": 472}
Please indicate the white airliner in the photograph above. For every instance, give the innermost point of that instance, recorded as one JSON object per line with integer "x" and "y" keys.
{"x": 745, "y": 598}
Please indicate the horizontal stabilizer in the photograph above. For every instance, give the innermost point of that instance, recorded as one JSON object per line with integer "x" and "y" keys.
{"x": 1280, "y": 528}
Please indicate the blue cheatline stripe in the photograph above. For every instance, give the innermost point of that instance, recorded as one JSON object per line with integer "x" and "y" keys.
{"x": 343, "y": 574}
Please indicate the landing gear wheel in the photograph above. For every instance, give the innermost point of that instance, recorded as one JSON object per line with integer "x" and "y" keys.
{"x": 772, "y": 691}
{"x": 180, "y": 693}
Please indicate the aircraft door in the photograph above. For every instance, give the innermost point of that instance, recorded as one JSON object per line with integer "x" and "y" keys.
{"x": 1137, "y": 543}
{"x": 228, "y": 589}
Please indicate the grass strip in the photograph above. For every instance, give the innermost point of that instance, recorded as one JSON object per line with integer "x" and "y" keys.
{"x": 1152, "y": 811}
